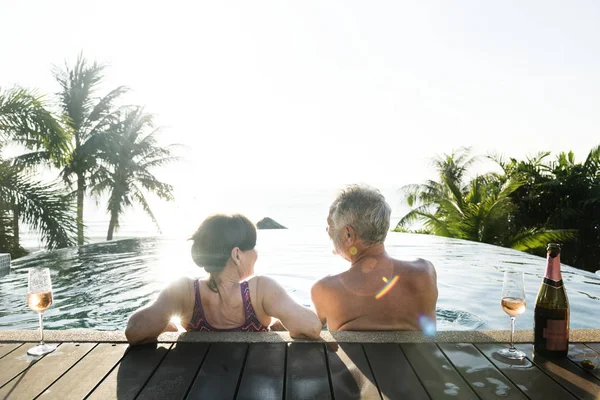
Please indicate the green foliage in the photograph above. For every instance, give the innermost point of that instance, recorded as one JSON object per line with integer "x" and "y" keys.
{"x": 24, "y": 119}
{"x": 563, "y": 194}
{"x": 43, "y": 206}
{"x": 421, "y": 231}
{"x": 488, "y": 208}
{"x": 87, "y": 118}
{"x": 129, "y": 153}
{"x": 98, "y": 146}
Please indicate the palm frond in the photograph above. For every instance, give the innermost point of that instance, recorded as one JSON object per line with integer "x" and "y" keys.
{"x": 104, "y": 107}
{"x": 536, "y": 238}
{"x": 24, "y": 119}
{"x": 44, "y": 207}
{"x": 412, "y": 216}
{"x": 138, "y": 195}
{"x": 32, "y": 160}
{"x": 127, "y": 155}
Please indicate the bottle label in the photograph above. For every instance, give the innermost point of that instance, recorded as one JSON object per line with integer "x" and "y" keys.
{"x": 556, "y": 334}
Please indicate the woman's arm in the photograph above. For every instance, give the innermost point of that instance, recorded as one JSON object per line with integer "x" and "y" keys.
{"x": 318, "y": 296}
{"x": 147, "y": 323}
{"x": 298, "y": 320}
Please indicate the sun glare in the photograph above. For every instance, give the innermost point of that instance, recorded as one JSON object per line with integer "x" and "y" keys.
{"x": 176, "y": 320}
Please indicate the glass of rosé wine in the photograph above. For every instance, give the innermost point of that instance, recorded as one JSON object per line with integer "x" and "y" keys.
{"x": 513, "y": 303}
{"x": 39, "y": 298}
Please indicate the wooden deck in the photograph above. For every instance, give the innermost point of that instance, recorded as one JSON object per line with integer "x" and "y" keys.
{"x": 293, "y": 370}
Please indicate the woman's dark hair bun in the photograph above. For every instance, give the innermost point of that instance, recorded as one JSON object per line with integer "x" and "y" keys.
{"x": 217, "y": 236}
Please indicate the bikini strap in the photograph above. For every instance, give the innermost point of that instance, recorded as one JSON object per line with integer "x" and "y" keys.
{"x": 199, "y": 310}
{"x": 248, "y": 309}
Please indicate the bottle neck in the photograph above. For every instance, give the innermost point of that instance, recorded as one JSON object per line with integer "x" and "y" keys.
{"x": 553, "y": 269}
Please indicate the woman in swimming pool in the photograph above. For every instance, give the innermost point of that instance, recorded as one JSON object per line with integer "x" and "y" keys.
{"x": 227, "y": 301}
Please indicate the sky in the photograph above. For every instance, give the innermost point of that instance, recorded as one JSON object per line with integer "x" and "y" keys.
{"x": 323, "y": 93}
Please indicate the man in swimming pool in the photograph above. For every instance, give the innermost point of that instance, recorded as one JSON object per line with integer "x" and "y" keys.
{"x": 377, "y": 292}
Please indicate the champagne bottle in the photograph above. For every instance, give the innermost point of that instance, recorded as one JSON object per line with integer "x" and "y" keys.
{"x": 551, "y": 315}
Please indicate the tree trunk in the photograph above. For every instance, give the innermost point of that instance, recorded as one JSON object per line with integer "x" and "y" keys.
{"x": 16, "y": 225}
{"x": 111, "y": 225}
{"x": 80, "y": 194}
{"x": 3, "y": 220}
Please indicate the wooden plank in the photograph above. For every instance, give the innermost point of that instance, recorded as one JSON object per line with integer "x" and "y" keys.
{"x": 264, "y": 372}
{"x": 42, "y": 374}
{"x": 351, "y": 375}
{"x": 6, "y": 348}
{"x": 524, "y": 374}
{"x": 437, "y": 375}
{"x": 220, "y": 372}
{"x": 307, "y": 375}
{"x": 479, "y": 372}
{"x": 579, "y": 352}
{"x": 16, "y": 362}
{"x": 563, "y": 371}
{"x": 176, "y": 373}
{"x": 87, "y": 373}
{"x": 394, "y": 376}
{"x": 129, "y": 376}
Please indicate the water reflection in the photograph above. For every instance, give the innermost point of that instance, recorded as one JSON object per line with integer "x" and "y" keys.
{"x": 99, "y": 285}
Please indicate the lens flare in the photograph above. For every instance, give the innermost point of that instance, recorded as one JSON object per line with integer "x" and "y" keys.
{"x": 389, "y": 285}
{"x": 427, "y": 325}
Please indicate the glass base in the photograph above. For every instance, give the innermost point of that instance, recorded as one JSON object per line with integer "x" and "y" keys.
{"x": 41, "y": 349}
{"x": 512, "y": 354}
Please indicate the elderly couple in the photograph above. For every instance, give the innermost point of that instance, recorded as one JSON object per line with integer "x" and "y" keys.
{"x": 376, "y": 293}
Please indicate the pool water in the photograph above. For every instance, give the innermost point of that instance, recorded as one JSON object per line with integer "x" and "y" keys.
{"x": 98, "y": 286}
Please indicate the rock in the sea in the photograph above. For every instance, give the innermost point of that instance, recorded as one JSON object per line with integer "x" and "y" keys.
{"x": 268, "y": 223}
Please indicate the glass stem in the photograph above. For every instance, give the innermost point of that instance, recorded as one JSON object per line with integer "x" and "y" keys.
{"x": 512, "y": 332}
{"x": 41, "y": 329}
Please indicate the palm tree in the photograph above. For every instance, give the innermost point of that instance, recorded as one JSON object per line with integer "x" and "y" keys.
{"x": 441, "y": 201}
{"x": 25, "y": 120}
{"x": 130, "y": 153}
{"x": 42, "y": 206}
{"x": 88, "y": 116}
{"x": 480, "y": 210}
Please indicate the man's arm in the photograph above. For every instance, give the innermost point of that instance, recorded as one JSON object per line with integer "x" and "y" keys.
{"x": 147, "y": 323}
{"x": 429, "y": 290}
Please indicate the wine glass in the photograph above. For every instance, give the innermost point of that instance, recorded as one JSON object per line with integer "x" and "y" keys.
{"x": 513, "y": 303}
{"x": 39, "y": 298}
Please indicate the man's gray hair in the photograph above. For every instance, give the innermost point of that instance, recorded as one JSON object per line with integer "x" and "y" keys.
{"x": 363, "y": 208}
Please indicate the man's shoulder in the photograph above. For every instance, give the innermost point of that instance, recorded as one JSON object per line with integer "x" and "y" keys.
{"x": 417, "y": 266}
{"x": 328, "y": 281}
{"x": 325, "y": 285}
{"x": 417, "y": 270}
{"x": 424, "y": 266}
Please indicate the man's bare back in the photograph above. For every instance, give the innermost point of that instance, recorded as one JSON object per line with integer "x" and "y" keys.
{"x": 378, "y": 293}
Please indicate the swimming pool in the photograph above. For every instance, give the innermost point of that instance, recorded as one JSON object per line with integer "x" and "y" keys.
{"x": 97, "y": 286}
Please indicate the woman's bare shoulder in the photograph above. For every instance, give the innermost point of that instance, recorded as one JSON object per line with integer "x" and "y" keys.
{"x": 262, "y": 282}
{"x": 181, "y": 283}
{"x": 179, "y": 291}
